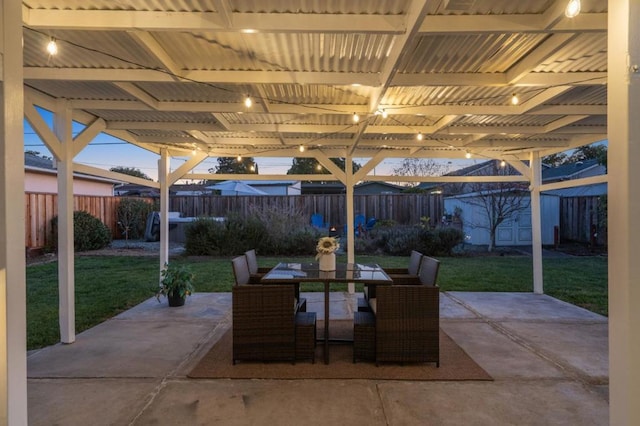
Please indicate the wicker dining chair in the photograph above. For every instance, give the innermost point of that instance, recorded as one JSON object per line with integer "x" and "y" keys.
{"x": 408, "y": 275}
{"x": 407, "y": 318}
{"x": 263, "y": 319}
{"x": 256, "y": 273}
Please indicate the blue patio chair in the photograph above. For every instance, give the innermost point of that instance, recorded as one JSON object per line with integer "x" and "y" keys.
{"x": 317, "y": 220}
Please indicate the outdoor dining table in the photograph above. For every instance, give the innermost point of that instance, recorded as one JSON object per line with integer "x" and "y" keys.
{"x": 370, "y": 274}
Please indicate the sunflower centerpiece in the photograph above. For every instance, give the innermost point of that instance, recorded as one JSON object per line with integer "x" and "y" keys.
{"x": 326, "y": 250}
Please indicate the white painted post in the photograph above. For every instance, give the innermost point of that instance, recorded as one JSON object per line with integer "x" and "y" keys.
{"x": 66, "y": 262}
{"x": 624, "y": 201}
{"x": 163, "y": 179}
{"x": 351, "y": 255}
{"x": 536, "y": 221}
{"x": 13, "y": 328}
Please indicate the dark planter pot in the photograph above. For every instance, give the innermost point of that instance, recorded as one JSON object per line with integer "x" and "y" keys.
{"x": 176, "y": 300}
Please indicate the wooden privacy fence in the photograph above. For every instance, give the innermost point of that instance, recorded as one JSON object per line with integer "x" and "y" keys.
{"x": 403, "y": 208}
{"x": 41, "y": 208}
{"x": 581, "y": 220}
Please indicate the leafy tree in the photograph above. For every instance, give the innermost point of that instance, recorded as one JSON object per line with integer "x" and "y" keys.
{"x": 555, "y": 160}
{"x": 585, "y": 152}
{"x": 499, "y": 201}
{"x": 131, "y": 171}
{"x": 589, "y": 152}
{"x": 38, "y": 154}
{"x": 420, "y": 167}
{"x": 231, "y": 165}
{"x": 309, "y": 166}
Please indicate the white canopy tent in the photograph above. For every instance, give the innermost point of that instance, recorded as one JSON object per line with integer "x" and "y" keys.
{"x": 173, "y": 81}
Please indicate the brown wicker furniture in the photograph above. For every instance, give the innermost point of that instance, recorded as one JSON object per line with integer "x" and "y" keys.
{"x": 263, "y": 319}
{"x": 306, "y": 336}
{"x": 407, "y": 324}
{"x": 364, "y": 336}
{"x": 408, "y": 275}
{"x": 310, "y": 272}
{"x": 429, "y": 268}
{"x": 256, "y": 274}
{"x": 407, "y": 319}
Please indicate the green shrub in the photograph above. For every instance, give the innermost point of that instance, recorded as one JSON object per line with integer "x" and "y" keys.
{"x": 132, "y": 217}
{"x": 449, "y": 238}
{"x": 89, "y": 233}
{"x": 205, "y": 237}
{"x": 269, "y": 234}
{"x": 400, "y": 240}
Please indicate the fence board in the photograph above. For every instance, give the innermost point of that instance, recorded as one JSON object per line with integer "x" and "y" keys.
{"x": 577, "y": 217}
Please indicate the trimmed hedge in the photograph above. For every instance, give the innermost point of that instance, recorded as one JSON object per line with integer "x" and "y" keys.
{"x": 89, "y": 232}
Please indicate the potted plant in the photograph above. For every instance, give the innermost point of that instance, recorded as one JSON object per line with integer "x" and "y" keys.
{"x": 176, "y": 284}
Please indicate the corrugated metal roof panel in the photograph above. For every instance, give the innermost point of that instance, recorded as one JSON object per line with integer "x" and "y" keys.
{"x": 82, "y": 90}
{"x": 339, "y": 52}
{"x": 505, "y": 120}
{"x": 379, "y": 7}
{"x": 482, "y": 53}
{"x": 582, "y": 95}
{"x": 449, "y": 95}
{"x": 586, "y": 52}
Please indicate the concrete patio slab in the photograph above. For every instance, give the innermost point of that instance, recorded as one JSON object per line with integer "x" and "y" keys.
{"x": 499, "y": 355}
{"x": 266, "y": 402}
{"x": 132, "y": 369}
{"x": 582, "y": 347}
{"x": 452, "y": 309}
{"x": 497, "y": 403}
{"x": 95, "y": 402}
{"x": 523, "y": 306}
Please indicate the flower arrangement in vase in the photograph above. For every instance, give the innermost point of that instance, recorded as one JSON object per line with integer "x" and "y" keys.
{"x": 326, "y": 250}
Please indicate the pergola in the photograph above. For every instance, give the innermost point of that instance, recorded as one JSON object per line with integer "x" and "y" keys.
{"x": 433, "y": 79}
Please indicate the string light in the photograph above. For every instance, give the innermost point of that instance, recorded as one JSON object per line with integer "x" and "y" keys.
{"x": 252, "y": 167}
{"x": 467, "y": 155}
{"x": 385, "y": 114}
{"x": 420, "y": 136}
{"x": 514, "y": 99}
{"x": 52, "y": 47}
{"x": 573, "y": 9}
{"x": 319, "y": 167}
{"x": 239, "y": 158}
{"x": 301, "y": 148}
{"x": 193, "y": 152}
{"x": 356, "y": 117}
{"x": 248, "y": 102}
{"x": 503, "y": 163}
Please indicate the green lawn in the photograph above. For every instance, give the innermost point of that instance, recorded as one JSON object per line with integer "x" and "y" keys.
{"x": 106, "y": 286}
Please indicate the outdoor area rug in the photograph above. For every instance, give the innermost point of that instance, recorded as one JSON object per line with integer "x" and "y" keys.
{"x": 455, "y": 364}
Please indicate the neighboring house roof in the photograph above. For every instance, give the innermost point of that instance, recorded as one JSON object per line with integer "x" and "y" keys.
{"x": 581, "y": 191}
{"x": 36, "y": 164}
{"x": 569, "y": 171}
{"x": 323, "y": 188}
{"x": 378, "y": 187}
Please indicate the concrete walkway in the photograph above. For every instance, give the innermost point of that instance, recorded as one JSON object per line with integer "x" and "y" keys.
{"x": 548, "y": 359}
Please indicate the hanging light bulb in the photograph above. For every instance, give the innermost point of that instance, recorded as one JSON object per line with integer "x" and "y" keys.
{"x": 319, "y": 167}
{"x": 514, "y": 99}
{"x": 356, "y": 117}
{"x": 252, "y": 167}
{"x": 503, "y": 163}
{"x": 467, "y": 155}
{"x": 573, "y": 9}
{"x": 420, "y": 136}
{"x": 385, "y": 114}
{"x": 248, "y": 102}
{"x": 301, "y": 148}
{"x": 52, "y": 47}
{"x": 193, "y": 152}
{"x": 239, "y": 158}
